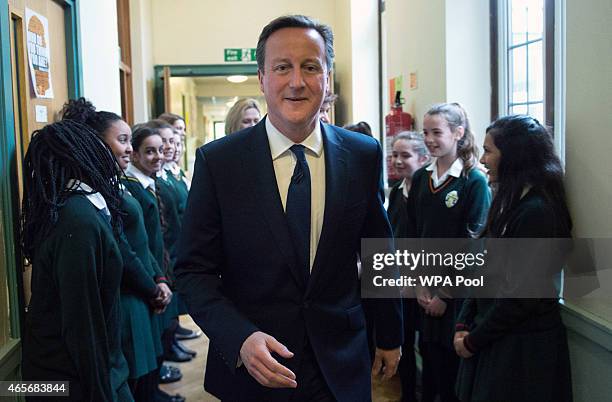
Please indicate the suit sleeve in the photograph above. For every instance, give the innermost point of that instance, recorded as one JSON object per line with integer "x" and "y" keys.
{"x": 387, "y": 311}
{"x": 199, "y": 269}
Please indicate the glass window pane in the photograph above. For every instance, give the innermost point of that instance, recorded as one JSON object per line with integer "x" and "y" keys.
{"x": 519, "y": 109}
{"x": 526, "y": 20}
{"x": 535, "y": 19}
{"x": 518, "y": 21}
{"x": 518, "y": 74}
{"x": 537, "y": 111}
{"x": 536, "y": 71}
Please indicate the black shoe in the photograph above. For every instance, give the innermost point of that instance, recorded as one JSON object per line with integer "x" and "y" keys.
{"x": 168, "y": 374}
{"x": 183, "y": 333}
{"x": 176, "y": 355}
{"x": 161, "y": 396}
{"x": 184, "y": 349}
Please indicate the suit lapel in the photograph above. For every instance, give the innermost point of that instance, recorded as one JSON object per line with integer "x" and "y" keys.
{"x": 258, "y": 164}
{"x": 336, "y": 182}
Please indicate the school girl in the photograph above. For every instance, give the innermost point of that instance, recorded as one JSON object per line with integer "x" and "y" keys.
{"x": 516, "y": 349}
{"x": 146, "y": 161}
{"x": 449, "y": 198}
{"x": 71, "y": 220}
{"x": 140, "y": 294}
{"x": 409, "y": 155}
{"x": 182, "y": 185}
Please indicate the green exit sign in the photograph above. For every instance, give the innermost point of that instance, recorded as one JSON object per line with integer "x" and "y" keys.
{"x": 240, "y": 55}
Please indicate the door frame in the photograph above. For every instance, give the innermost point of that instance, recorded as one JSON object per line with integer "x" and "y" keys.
{"x": 10, "y": 353}
{"x": 194, "y": 70}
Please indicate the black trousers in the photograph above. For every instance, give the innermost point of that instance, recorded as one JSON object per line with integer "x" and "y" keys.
{"x": 407, "y": 365}
{"x": 311, "y": 383}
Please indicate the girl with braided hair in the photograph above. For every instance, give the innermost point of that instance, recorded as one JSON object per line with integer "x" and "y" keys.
{"x": 143, "y": 288}
{"x": 70, "y": 223}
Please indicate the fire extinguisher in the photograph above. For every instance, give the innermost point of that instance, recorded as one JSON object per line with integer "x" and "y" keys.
{"x": 395, "y": 122}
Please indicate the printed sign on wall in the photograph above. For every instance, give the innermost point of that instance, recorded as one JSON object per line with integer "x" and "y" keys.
{"x": 39, "y": 53}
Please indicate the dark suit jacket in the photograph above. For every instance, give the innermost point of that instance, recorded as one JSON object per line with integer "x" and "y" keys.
{"x": 237, "y": 272}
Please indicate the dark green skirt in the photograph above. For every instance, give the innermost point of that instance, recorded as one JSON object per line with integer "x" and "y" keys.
{"x": 138, "y": 341}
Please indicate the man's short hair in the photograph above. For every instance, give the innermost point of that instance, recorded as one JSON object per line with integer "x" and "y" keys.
{"x": 295, "y": 21}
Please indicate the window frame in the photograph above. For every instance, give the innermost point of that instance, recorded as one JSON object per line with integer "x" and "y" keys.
{"x": 554, "y": 70}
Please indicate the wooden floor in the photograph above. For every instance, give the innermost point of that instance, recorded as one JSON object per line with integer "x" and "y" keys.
{"x": 191, "y": 386}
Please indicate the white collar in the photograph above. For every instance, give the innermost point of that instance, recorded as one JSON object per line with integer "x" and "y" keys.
{"x": 95, "y": 198}
{"x": 174, "y": 168}
{"x": 162, "y": 174}
{"x": 455, "y": 170}
{"x": 279, "y": 143}
{"x": 136, "y": 173}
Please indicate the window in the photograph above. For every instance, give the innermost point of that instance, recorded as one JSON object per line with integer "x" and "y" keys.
{"x": 523, "y": 51}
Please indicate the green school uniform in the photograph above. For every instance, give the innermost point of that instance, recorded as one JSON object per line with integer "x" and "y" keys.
{"x": 171, "y": 231}
{"x": 455, "y": 209}
{"x": 72, "y": 325}
{"x": 140, "y": 329}
{"x": 181, "y": 191}
{"x": 150, "y": 213}
{"x": 170, "y": 211}
{"x": 520, "y": 345}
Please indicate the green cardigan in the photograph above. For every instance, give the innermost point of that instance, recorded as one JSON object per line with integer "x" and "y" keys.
{"x": 72, "y": 323}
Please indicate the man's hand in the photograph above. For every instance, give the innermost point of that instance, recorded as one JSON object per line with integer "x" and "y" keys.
{"x": 386, "y": 361}
{"x": 460, "y": 346}
{"x": 436, "y": 307}
{"x": 257, "y": 358}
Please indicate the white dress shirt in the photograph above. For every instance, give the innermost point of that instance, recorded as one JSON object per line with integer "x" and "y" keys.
{"x": 455, "y": 171}
{"x": 284, "y": 163}
{"x": 146, "y": 181}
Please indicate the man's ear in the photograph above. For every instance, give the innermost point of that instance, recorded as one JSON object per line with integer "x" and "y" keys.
{"x": 260, "y": 76}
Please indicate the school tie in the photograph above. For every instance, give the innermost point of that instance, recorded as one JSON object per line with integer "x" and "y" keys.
{"x": 298, "y": 210}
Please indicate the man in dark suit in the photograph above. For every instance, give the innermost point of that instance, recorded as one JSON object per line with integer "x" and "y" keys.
{"x": 268, "y": 259}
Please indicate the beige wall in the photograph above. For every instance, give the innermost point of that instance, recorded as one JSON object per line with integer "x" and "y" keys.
{"x": 589, "y": 122}
{"x": 197, "y": 31}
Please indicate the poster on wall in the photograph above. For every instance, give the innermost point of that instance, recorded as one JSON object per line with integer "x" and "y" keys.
{"x": 39, "y": 54}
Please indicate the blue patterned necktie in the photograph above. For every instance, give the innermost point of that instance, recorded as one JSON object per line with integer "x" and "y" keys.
{"x": 298, "y": 210}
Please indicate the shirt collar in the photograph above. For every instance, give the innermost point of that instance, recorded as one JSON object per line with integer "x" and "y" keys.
{"x": 95, "y": 198}
{"x": 279, "y": 143}
{"x": 173, "y": 167}
{"x": 455, "y": 169}
{"x": 144, "y": 180}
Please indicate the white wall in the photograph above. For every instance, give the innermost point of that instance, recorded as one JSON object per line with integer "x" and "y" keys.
{"x": 142, "y": 58}
{"x": 468, "y": 75}
{"x": 100, "y": 57}
{"x": 416, "y": 42}
{"x": 364, "y": 49}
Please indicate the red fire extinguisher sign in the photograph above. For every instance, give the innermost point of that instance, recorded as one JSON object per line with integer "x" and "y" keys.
{"x": 395, "y": 122}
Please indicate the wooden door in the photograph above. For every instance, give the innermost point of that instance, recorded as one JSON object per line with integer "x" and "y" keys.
{"x": 25, "y": 101}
